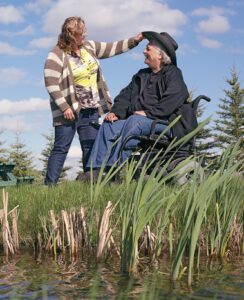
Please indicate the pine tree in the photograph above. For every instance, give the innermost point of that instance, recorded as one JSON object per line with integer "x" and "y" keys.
{"x": 46, "y": 153}
{"x": 230, "y": 124}
{"x": 81, "y": 170}
{"x": 3, "y": 151}
{"x": 21, "y": 157}
{"x": 64, "y": 174}
{"x": 205, "y": 138}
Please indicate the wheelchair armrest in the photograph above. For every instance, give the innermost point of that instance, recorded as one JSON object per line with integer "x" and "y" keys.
{"x": 155, "y": 122}
{"x": 95, "y": 125}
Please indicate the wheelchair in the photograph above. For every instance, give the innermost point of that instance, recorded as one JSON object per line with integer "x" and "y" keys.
{"x": 149, "y": 146}
{"x": 153, "y": 143}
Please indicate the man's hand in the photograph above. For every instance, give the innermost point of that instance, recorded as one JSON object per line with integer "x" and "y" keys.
{"x": 140, "y": 112}
{"x": 111, "y": 117}
{"x": 68, "y": 114}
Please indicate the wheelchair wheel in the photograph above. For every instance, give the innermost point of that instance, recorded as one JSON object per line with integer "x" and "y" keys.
{"x": 185, "y": 173}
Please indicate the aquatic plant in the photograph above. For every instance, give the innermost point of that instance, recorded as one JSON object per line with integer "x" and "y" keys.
{"x": 148, "y": 217}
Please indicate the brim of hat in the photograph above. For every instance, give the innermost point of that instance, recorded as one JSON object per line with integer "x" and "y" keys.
{"x": 151, "y": 35}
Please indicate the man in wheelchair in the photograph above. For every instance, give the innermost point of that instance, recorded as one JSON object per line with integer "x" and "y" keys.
{"x": 156, "y": 92}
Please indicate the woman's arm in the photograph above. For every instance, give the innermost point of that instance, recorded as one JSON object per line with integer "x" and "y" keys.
{"x": 106, "y": 50}
{"x": 52, "y": 72}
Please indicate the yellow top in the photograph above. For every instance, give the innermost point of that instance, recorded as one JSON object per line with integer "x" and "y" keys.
{"x": 85, "y": 69}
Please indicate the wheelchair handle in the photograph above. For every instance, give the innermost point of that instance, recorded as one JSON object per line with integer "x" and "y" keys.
{"x": 203, "y": 97}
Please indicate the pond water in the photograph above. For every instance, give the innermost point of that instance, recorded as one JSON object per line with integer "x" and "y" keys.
{"x": 26, "y": 277}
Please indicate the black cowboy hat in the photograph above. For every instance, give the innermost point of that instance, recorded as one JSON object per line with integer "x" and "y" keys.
{"x": 165, "y": 41}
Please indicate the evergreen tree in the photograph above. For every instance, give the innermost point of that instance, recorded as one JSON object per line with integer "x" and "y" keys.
{"x": 81, "y": 170}
{"x": 63, "y": 175}
{"x": 46, "y": 153}
{"x": 230, "y": 124}
{"x": 205, "y": 138}
{"x": 3, "y": 151}
{"x": 21, "y": 157}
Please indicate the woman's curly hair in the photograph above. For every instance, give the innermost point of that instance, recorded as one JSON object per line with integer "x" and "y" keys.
{"x": 70, "y": 28}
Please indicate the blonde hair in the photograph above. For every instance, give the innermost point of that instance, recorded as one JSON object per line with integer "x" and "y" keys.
{"x": 71, "y": 27}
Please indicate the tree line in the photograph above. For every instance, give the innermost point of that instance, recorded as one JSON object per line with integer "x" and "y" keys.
{"x": 228, "y": 128}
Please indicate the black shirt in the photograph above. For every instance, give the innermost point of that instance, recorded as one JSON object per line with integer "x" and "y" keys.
{"x": 150, "y": 92}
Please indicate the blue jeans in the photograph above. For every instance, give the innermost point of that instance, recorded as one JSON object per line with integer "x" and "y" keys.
{"x": 104, "y": 149}
{"x": 64, "y": 135}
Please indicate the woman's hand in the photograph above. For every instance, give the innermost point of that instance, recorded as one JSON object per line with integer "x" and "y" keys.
{"x": 111, "y": 117}
{"x": 140, "y": 112}
{"x": 68, "y": 114}
{"x": 138, "y": 38}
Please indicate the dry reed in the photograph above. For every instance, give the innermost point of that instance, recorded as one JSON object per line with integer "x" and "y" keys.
{"x": 10, "y": 240}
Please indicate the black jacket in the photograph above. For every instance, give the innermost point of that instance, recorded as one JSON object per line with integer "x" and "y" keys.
{"x": 172, "y": 102}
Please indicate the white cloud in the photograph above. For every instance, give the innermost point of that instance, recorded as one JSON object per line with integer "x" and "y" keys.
{"x": 213, "y": 11}
{"x": 5, "y": 48}
{"x": 236, "y": 2}
{"x": 8, "y": 107}
{"x": 11, "y": 76}
{"x": 235, "y": 50}
{"x": 135, "y": 56}
{"x": 16, "y": 123}
{"x": 186, "y": 49}
{"x": 29, "y": 30}
{"x": 74, "y": 152}
{"x": 239, "y": 30}
{"x": 216, "y": 22}
{"x": 41, "y": 83}
{"x": 46, "y": 42}
{"x": 38, "y": 6}
{"x": 208, "y": 43}
{"x": 116, "y": 19}
{"x": 75, "y": 167}
{"x": 10, "y": 14}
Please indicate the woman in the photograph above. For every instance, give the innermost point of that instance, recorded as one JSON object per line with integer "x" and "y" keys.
{"x": 78, "y": 92}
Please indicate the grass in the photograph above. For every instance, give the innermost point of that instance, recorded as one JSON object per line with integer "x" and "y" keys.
{"x": 152, "y": 218}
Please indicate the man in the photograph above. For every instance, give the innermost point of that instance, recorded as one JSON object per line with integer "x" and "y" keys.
{"x": 156, "y": 92}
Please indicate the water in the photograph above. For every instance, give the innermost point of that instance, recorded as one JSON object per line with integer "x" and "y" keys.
{"x": 25, "y": 277}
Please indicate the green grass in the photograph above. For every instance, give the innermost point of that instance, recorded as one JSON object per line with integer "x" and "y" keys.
{"x": 180, "y": 217}
{"x": 35, "y": 202}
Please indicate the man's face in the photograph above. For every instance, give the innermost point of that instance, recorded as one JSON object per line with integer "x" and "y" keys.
{"x": 153, "y": 57}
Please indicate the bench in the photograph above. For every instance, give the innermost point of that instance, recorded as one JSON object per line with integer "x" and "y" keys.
{"x": 7, "y": 178}
{"x": 25, "y": 179}
{"x": 6, "y": 174}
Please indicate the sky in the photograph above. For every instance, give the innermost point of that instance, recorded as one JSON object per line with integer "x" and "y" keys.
{"x": 210, "y": 35}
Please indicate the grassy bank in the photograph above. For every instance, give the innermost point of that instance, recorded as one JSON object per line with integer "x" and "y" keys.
{"x": 137, "y": 220}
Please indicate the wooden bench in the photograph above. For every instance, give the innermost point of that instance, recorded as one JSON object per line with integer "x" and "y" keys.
{"x": 7, "y": 178}
{"x": 25, "y": 179}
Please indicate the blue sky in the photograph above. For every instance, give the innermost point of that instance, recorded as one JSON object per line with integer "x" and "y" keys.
{"x": 210, "y": 35}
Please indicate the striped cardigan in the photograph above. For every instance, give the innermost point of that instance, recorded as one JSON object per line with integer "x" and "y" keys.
{"x": 60, "y": 84}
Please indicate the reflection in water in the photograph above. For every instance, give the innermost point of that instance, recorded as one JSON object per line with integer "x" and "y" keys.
{"x": 25, "y": 277}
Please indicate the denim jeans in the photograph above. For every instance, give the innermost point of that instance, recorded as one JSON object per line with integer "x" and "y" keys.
{"x": 104, "y": 148}
{"x": 64, "y": 135}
